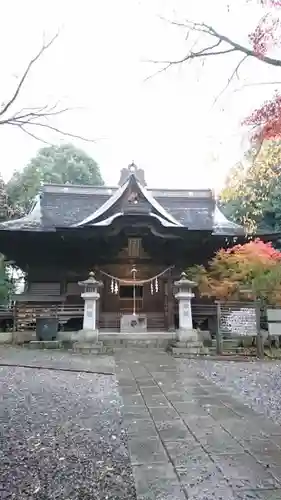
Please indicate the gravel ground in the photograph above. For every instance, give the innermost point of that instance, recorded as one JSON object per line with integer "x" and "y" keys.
{"x": 257, "y": 384}
{"x": 56, "y": 359}
{"x": 62, "y": 437}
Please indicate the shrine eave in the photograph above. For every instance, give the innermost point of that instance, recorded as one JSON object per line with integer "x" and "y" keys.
{"x": 107, "y": 212}
{"x": 99, "y": 208}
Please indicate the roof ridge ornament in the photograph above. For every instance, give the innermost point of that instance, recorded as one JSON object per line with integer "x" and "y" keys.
{"x": 134, "y": 170}
{"x": 132, "y": 167}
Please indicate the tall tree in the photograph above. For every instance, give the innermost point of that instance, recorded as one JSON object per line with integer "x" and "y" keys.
{"x": 6, "y": 282}
{"x": 263, "y": 46}
{"x": 54, "y": 165}
{"x": 252, "y": 195}
{"x": 4, "y": 212}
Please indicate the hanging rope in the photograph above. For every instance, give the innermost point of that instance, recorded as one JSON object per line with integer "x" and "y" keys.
{"x": 116, "y": 280}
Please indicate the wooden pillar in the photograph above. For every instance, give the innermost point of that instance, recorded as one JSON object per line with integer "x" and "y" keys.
{"x": 170, "y": 305}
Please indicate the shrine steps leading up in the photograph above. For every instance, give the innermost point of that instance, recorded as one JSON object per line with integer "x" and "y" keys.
{"x": 113, "y": 340}
{"x": 142, "y": 339}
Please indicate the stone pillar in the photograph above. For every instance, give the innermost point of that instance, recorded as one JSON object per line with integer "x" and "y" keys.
{"x": 184, "y": 295}
{"x": 90, "y": 295}
{"x": 171, "y": 319}
{"x": 188, "y": 342}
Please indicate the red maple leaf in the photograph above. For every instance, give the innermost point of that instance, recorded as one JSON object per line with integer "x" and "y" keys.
{"x": 269, "y": 3}
{"x": 267, "y": 118}
{"x": 266, "y": 34}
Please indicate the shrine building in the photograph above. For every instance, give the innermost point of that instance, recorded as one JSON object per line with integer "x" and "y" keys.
{"x": 136, "y": 240}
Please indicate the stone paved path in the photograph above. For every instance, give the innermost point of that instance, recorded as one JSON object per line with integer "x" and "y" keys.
{"x": 188, "y": 438}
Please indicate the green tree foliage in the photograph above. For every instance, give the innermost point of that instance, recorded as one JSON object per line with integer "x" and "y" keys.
{"x": 4, "y": 212}
{"x": 252, "y": 195}
{"x": 54, "y": 165}
{"x": 6, "y": 285}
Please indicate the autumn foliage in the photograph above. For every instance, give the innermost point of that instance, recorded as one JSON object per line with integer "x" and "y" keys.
{"x": 267, "y": 35}
{"x": 248, "y": 271}
{"x": 267, "y": 119}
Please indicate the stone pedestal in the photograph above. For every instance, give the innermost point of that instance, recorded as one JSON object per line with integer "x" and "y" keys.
{"x": 136, "y": 323}
{"x": 88, "y": 336}
{"x": 89, "y": 331}
{"x": 188, "y": 342}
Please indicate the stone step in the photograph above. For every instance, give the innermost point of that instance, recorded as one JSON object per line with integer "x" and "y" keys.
{"x": 91, "y": 348}
{"x": 229, "y": 348}
{"x": 188, "y": 349}
{"x": 195, "y": 344}
{"x": 144, "y": 344}
{"x": 180, "y": 353}
{"x": 45, "y": 344}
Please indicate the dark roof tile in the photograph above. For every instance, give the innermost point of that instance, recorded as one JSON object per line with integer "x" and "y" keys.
{"x": 65, "y": 206}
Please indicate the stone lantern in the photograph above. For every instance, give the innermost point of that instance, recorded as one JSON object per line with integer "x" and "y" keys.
{"x": 90, "y": 294}
{"x": 188, "y": 341}
{"x": 184, "y": 296}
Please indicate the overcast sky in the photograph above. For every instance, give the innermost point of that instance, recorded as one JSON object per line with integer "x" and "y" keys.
{"x": 168, "y": 124}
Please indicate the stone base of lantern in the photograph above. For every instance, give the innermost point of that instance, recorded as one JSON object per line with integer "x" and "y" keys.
{"x": 189, "y": 349}
{"x": 188, "y": 344}
{"x": 90, "y": 348}
{"x": 85, "y": 335}
{"x": 87, "y": 342}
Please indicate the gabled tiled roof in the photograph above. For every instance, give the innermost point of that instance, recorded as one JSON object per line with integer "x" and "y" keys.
{"x": 65, "y": 206}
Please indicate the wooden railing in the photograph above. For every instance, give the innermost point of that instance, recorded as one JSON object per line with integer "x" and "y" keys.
{"x": 26, "y": 314}
{"x": 126, "y": 305}
{"x": 6, "y": 312}
{"x": 204, "y": 309}
{"x": 111, "y": 321}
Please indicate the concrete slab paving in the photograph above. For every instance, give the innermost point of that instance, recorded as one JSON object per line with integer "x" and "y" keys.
{"x": 213, "y": 446}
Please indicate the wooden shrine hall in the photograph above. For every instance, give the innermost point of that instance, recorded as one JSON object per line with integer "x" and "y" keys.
{"x": 136, "y": 240}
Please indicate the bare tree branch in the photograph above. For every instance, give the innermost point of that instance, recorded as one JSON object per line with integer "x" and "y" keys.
{"x": 255, "y": 84}
{"x": 36, "y": 109}
{"x": 209, "y": 30}
{"x": 191, "y": 55}
{"x": 33, "y": 135}
{"x": 23, "y": 124}
{"x": 210, "y": 50}
{"x": 25, "y": 74}
{"x": 34, "y": 116}
{"x": 233, "y": 74}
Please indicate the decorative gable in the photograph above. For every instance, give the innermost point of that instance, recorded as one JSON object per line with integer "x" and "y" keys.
{"x": 130, "y": 199}
{"x": 126, "y": 172}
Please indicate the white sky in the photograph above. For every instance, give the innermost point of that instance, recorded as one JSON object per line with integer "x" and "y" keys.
{"x": 168, "y": 124}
